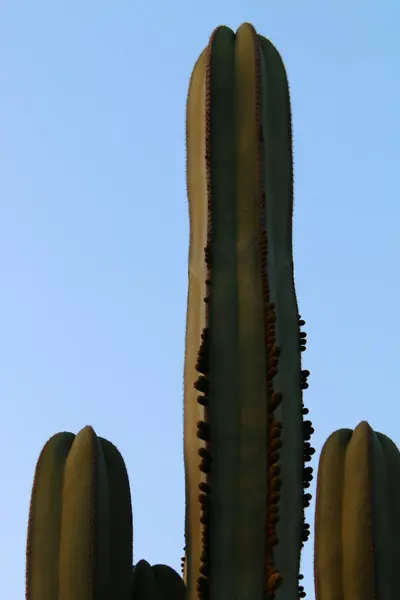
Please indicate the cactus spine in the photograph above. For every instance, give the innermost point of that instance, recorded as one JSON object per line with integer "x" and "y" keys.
{"x": 357, "y": 525}
{"x": 244, "y": 430}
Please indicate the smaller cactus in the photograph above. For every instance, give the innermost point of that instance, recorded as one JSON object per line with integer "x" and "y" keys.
{"x": 80, "y": 528}
{"x": 157, "y": 582}
{"x": 357, "y": 524}
{"x": 80, "y": 524}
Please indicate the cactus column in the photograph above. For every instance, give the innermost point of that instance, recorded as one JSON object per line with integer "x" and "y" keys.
{"x": 80, "y": 524}
{"x": 357, "y": 522}
{"x": 245, "y": 439}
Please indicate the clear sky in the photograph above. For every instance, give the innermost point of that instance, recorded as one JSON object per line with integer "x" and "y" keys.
{"x": 94, "y": 232}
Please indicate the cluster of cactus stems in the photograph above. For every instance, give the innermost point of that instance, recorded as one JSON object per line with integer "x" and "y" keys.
{"x": 247, "y": 439}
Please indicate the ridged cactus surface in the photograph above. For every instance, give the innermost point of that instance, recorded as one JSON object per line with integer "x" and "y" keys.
{"x": 357, "y": 524}
{"x": 157, "y": 582}
{"x": 80, "y": 524}
{"x": 80, "y": 528}
{"x": 245, "y": 438}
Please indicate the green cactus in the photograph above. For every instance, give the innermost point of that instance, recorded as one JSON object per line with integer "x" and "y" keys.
{"x": 80, "y": 524}
{"x": 157, "y": 582}
{"x": 245, "y": 439}
{"x": 357, "y": 524}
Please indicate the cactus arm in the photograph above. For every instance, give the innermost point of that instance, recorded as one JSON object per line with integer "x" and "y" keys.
{"x": 120, "y": 518}
{"x": 169, "y": 584}
{"x": 365, "y": 527}
{"x": 44, "y": 528}
{"x": 357, "y": 527}
{"x": 80, "y": 524}
{"x": 392, "y": 456}
{"x": 328, "y": 517}
{"x": 144, "y": 586}
{"x": 354, "y": 516}
{"x": 84, "y": 565}
{"x": 157, "y": 582}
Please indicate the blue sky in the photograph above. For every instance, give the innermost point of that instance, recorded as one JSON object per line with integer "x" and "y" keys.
{"x": 94, "y": 233}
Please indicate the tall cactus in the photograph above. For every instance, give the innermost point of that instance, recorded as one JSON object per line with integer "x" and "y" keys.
{"x": 357, "y": 525}
{"x": 245, "y": 439}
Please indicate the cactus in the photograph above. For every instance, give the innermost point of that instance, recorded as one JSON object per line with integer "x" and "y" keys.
{"x": 357, "y": 524}
{"x": 80, "y": 527}
{"x": 245, "y": 438}
{"x": 80, "y": 524}
{"x": 157, "y": 582}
